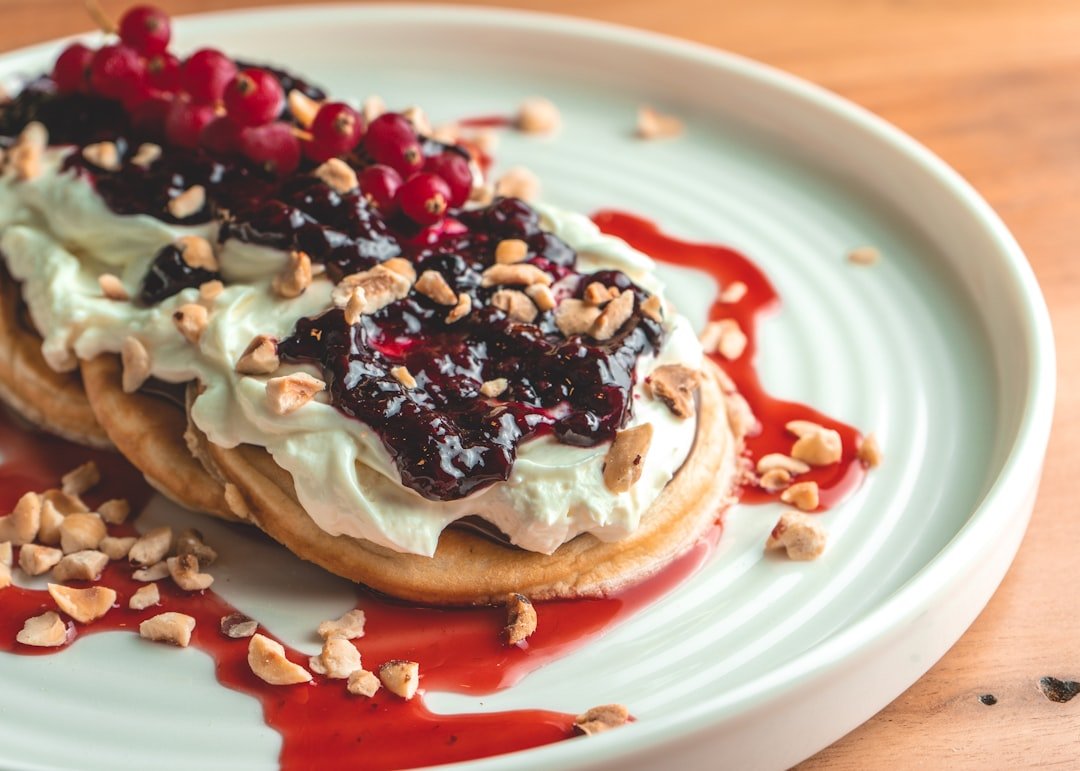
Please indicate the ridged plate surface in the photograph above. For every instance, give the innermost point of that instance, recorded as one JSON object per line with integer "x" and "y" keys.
{"x": 943, "y": 350}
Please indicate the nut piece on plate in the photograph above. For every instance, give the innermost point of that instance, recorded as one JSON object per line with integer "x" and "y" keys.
{"x": 198, "y": 253}
{"x": 381, "y": 285}
{"x": 494, "y": 388}
{"x": 514, "y": 274}
{"x": 6, "y": 554}
{"x": 432, "y": 285}
{"x": 516, "y": 305}
{"x": 185, "y": 573}
{"x": 733, "y": 292}
{"x": 81, "y": 530}
{"x": 145, "y": 597}
{"x": 83, "y": 605}
{"x": 400, "y": 677}
{"x": 864, "y": 255}
{"x": 267, "y": 660}
{"x": 116, "y": 548}
{"x": 511, "y": 250}
{"x": 152, "y": 547}
{"x": 803, "y": 495}
{"x": 190, "y": 541}
{"x": 168, "y": 627}
{"x": 460, "y": 310}
{"x": 51, "y": 519}
{"x": 656, "y": 125}
{"x": 350, "y": 626}
{"x": 37, "y": 560}
{"x": 238, "y": 626}
{"x": 260, "y": 357}
{"x": 724, "y": 337}
{"x": 575, "y": 317}
{"x": 520, "y": 619}
{"x": 626, "y": 457}
{"x": 44, "y": 631}
{"x": 799, "y": 534}
{"x": 288, "y": 393}
{"x": 136, "y": 363}
{"x": 603, "y": 718}
{"x": 819, "y": 448}
{"x": 338, "y": 659}
{"x": 296, "y": 277}
{"x": 22, "y": 524}
{"x": 188, "y": 203}
{"x": 538, "y": 115}
{"x": 363, "y": 683}
{"x": 674, "y": 385}
{"x": 191, "y": 320}
{"x": 80, "y": 479}
{"x": 777, "y": 460}
{"x": 115, "y": 511}
{"x": 518, "y": 182}
{"x": 155, "y": 572}
{"x": 652, "y": 308}
{"x": 112, "y": 288}
{"x": 5, "y": 576}
{"x": 85, "y": 565}
{"x": 774, "y": 480}
{"x": 869, "y": 452}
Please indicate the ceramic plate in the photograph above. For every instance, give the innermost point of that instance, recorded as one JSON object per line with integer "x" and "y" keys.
{"x": 943, "y": 349}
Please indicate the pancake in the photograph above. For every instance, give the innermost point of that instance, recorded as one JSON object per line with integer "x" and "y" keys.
{"x": 150, "y": 431}
{"x": 470, "y": 568}
{"x": 53, "y": 401}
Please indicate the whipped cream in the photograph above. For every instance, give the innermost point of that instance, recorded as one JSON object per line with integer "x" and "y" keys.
{"x": 57, "y": 236}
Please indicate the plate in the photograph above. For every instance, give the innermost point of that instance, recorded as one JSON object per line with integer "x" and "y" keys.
{"x": 944, "y": 349}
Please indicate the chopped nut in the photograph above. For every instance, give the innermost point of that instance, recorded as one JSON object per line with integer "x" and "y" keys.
{"x": 655, "y": 125}
{"x": 516, "y": 305}
{"x": 185, "y": 573}
{"x": 733, "y": 292}
{"x": 191, "y": 319}
{"x": 432, "y": 285}
{"x": 520, "y": 619}
{"x": 267, "y": 660}
{"x": 724, "y": 337}
{"x": 260, "y": 357}
{"x": 350, "y": 626}
{"x": 296, "y": 277}
{"x": 112, "y": 288}
{"x": 400, "y": 677}
{"x": 615, "y": 314}
{"x": 402, "y": 267}
{"x": 518, "y": 274}
{"x": 44, "y": 631}
{"x": 136, "y": 361}
{"x": 197, "y": 253}
{"x": 363, "y": 683}
{"x": 518, "y": 182}
{"x": 776, "y": 460}
{"x": 542, "y": 296}
{"x": 574, "y": 317}
{"x": 819, "y": 448}
{"x": 775, "y": 479}
{"x": 188, "y": 203}
{"x": 339, "y": 659}
{"x": 801, "y": 428}
{"x": 84, "y": 605}
{"x": 418, "y": 118}
{"x": 86, "y": 565}
{"x": 6, "y": 554}
{"x": 288, "y": 393}
{"x": 600, "y": 719}
{"x": 114, "y": 511}
{"x": 37, "y": 560}
{"x": 864, "y": 255}
{"x": 510, "y": 251}
{"x": 65, "y": 503}
{"x": 146, "y": 155}
{"x": 626, "y": 457}
{"x": 238, "y": 626}
{"x": 803, "y": 495}
{"x": 152, "y": 547}
{"x": 104, "y": 155}
{"x": 22, "y": 524}
{"x": 674, "y": 385}
{"x": 538, "y": 115}
{"x": 234, "y": 499}
{"x": 116, "y": 548}
{"x": 155, "y": 572}
{"x": 5, "y": 576}
{"x": 190, "y": 541}
{"x": 493, "y": 388}
{"x": 25, "y": 156}
{"x": 461, "y": 310}
{"x": 797, "y": 533}
{"x": 378, "y": 287}
{"x": 403, "y": 376}
{"x": 868, "y": 451}
{"x": 303, "y": 107}
{"x": 651, "y": 307}
{"x": 82, "y": 530}
{"x": 596, "y": 294}
{"x": 169, "y": 627}
{"x": 372, "y": 108}
{"x": 210, "y": 290}
{"x": 338, "y": 176}
{"x": 79, "y": 480}
{"x": 145, "y": 597}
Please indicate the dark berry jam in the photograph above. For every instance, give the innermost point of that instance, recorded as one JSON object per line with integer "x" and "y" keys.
{"x": 169, "y": 274}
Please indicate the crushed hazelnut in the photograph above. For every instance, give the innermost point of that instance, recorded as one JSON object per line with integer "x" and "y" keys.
{"x": 864, "y": 255}
{"x": 596, "y": 294}
{"x": 296, "y": 277}
{"x": 210, "y": 290}
{"x": 418, "y": 118}
{"x": 104, "y": 155}
{"x": 82, "y": 530}
{"x": 803, "y": 495}
{"x": 288, "y": 393}
{"x": 185, "y": 573}
{"x": 145, "y": 597}
{"x": 350, "y": 626}
{"x": 656, "y": 125}
{"x": 378, "y": 287}
{"x": 116, "y": 548}
{"x": 674, "y": 385}
{"x": 625, "y": 458}
{"x": 776, "y": 460}
{"x": 260, "y": 357}
{"x": 188, "y": 203}
{"x": 37, "y": 560}
{"x": 615, "y": 314}
{"x": 86, "y": 565}
{"x": 65, "y": 503}
{"x": 136, "y": 363}
{"x": 49, "y": 530}
{"x": 801, "y": 428}
{"x": 80, "y": 479}
{"x": 152, "y": 546}
{"x": 190, "y": 541}
{"x": 520, "y": 619}
{"x": 733, "y": 293}
{"x": 510, "y": 251}
{"x": 83, "y": 605}
{"x": 432, "y": 285}
{"x": 155, "y": 572}
{"x": 799, "y": 534}
{"x": 168, "y": 627}
{"x": 338, "y": 659}
{"x": 363, "y": 683}
{"x": 338, "y": 176}
{"x": 114, "y": 511}
{"x": 403, "y": 376}
{"x": 191, "y": 319}
{"x": 516, "y": 305}
{"x": 400, "y": 677}
{"x": 146, "y": 155}
{"x": 6, "y": 554}
{"x": 724, "y": 337}
{"x": 652, "y": 308}
{"x": 22, "y": 524}
{"x": 493, "y": 388}
{"x": 542, "y": 296}
{"x": 197, "y": 253}
{"x": 538, "y": 115}
{"x": 868, "y": 451}
{"x": 600, "y": 719}
{"x": 461, "y": 310}
{"x": 372, "y": 108}
{"x": 574, "y": 317}
{"x": 774, "y": 480}
{"x": 517, "y": 274}
{"x": 112, "y": 288}
{"x": 25, "y": 156}
{"x": 819, "y": 448}
{"x": 238, "y": 626}
{"x": 303, "y": 107}
{"x": 402, "y": 267}
{"x": 44, "y": 631}
{"x": 518, "y": 182}
{"x": 267, "y": 660}
{"x": 5, "y": 576}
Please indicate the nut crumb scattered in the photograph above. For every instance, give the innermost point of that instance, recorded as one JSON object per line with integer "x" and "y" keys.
{"x": 288, "y": 393}
{"x": 819, "y": 448}
{"x": 197, "y": 253}
{"x": 656, "y": 125}
{"x": 603, "y": 718}
{"x": 432, "y": 285}
{"x": 81, "y": 530}
{"x": 625, "y": 458}
{"x": 363, "y": 683}
{"x": 799, "y": 534}
{"x": 460, "y": 310}
{"x": 510, "y": 251}
{"x": 724, "y": 337}
{"x": 733, "y": 293}
{"x": 802, "y": 495}
{"x": 136, "y": 364}
{"x": 520, "y": 619}
{"x": 188, "y": 203}
{"x": 296, "y": 276}
{"x": 403, "y": 376}
{"x": 36, "y": 560}
{"x": 350, "y": 626}
{"x": 51, "y": 519}
{"x": 210, "y": 291}
{"x": 146, "y": 155}
{"x": 869, "y": 452}
{"x": 338, "y": 659}
{"x": 238, "y": 626}
{"x": 154, "y": 572}
{"x": 538, "y": 115}
{"x": 44, "y": 631}
{"x": 145, "y": 597}
{"x": 516, "y": 274}
{"x": 84, "y": 605}
{"x": 21, "y": 526}
{"x": 652, "y": 308}
{"x": 6, "y": 554}
{"x": 864, "y": 255}
{"x": 191, "y": 320}
{"x": 518, "y": 182}
{"x": 86, "y": 565}
{"x": 615, "y": 314}
{"x": 260, "y": 357}
{"x": 775, "y": 479}
{"x": 191, "y": 541}
{"x": 80, "y": 479}
{"x": 776, "y": 460}
{"x": 114, "y": 511}
{"x": 112, "y": 288}
{"x": 372, "y": 108}
{"x": 516, "y": 305}
{"x": 267, "y": 660}
{"x": 338, "y": 176}
{"x": 152, "y": 546}
{"x": 303, "y": 107}
{"x": 674, "y": 385}
{"x": 185, "y": 573}
{"x": 168, "y": 627}
{"x": 542, "y": 296}
{"x": 116, "y": 548}
{"x": 400, "y": 677}
{"x": 575, "y": 317}
{"x": 104, "y": 155}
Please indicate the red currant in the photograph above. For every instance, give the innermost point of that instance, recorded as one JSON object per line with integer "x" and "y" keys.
{"x": 221, "y": 136}
{"x": 146, "y": 29}
{"x": 185, "y": 121}
{"x": 163, "y": 72}
{"x": 336, "y": 130}
{"x": 254, "y": 97}
{"x": 424, "y": 198}
{"x": 455, "y": 171}
{"x": 380, "y": 184}
{"x": 391, "y": 140}
{"x": 72, "y": 69}
{"x": 116, "y": 71}
{"x": 273, "y": 146}
{"x": 205, "y": 74}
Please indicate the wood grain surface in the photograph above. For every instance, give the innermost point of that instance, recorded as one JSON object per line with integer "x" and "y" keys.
{"x": 993, "y": 86}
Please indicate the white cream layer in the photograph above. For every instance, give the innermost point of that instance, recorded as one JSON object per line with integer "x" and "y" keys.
{"x": 57, "y": 236}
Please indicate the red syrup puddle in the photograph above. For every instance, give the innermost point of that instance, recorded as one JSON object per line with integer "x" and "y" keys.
{"x": 487, "y": 121}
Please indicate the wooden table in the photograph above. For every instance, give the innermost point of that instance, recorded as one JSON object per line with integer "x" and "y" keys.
{"x": 993, "y": 86}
